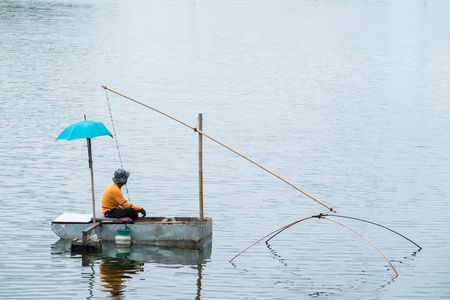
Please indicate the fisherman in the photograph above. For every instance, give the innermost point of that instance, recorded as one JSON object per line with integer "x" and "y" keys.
{"x": 114, "y": 204}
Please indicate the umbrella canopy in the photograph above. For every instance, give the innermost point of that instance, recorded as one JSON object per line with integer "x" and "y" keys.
{"x": 85, "y": 129}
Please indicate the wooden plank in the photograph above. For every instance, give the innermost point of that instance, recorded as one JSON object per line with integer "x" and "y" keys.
{"x": 87, "y": 231}
{"x": 90, "y": 228}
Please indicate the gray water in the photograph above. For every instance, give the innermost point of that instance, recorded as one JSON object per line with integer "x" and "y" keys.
{"x": 348, "y": 100}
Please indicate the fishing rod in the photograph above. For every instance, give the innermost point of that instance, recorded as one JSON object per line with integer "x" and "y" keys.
{"x": 222, "y": 144}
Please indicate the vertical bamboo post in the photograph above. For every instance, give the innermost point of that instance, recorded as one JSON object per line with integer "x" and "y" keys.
{"x": 200, "y": 165}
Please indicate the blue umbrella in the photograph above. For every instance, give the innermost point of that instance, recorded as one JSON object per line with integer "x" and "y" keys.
{"x": 87, "y": 130}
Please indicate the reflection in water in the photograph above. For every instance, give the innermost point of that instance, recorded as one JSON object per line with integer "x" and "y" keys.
{"x": 275, "y": 254}
{"x": 317, "y": 294}
{"x": 199, "y": 281}
{"x": 160, "y": 255}
{"x": 115, "y": 272}
{"x": 118, "y": 265}
{"x": 91, "y": 277}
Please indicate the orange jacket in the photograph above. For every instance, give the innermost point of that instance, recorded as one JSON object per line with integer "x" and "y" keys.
{"x": 113, "y": 198}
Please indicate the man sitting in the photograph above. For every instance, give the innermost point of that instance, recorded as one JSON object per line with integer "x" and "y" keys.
{"x": 114, "y": 204}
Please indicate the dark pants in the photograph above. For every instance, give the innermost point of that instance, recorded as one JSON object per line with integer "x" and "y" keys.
{"x": 122, "y": 213}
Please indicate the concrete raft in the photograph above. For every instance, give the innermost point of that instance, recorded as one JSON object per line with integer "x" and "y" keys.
{"x": 183, "y": 232}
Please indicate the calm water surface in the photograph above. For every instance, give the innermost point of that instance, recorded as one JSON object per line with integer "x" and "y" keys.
{"x": 348, "y": 100}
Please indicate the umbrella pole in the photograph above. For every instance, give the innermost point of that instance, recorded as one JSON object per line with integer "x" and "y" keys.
{"x": 92, "y": 178}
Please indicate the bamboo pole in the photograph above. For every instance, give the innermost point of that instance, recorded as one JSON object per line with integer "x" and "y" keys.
{"x": 200, "y": 166}
{"x": 366, "y": 240}
{"x": 222, "y": 144}
{"x": 286, "y": 227}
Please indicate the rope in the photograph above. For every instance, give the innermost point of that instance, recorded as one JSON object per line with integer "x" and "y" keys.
{"x": 115, "y": 137}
